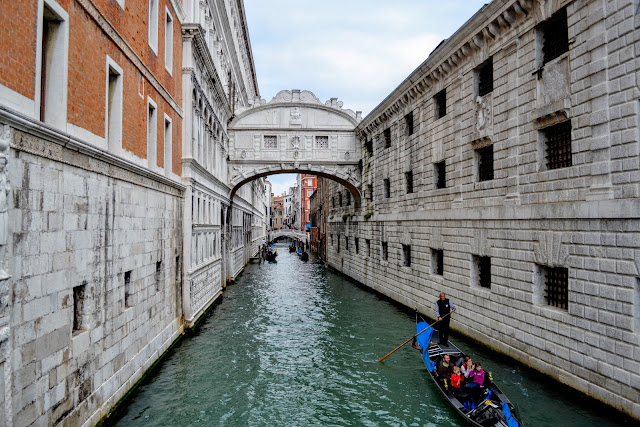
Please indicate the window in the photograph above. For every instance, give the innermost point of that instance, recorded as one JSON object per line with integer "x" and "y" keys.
{"x": 368, "y": 243}
{"x": 128, "y": 290}
{"x": 440, "y": 174}
{"x": 331, "y": 239}
{"x": 271, "y": 142}
{"x": 485, "y": 77}
{"x": 482, "y": 265}
{"x": 153, "y": 25}
{"x": 387, "y": 188}
{"x": 484, "y": 158}
{"x": 158, "y": 275}
{"x": 322, "y": 142}
{"x": 369, "y": 146}
{"x": 80, "y": 305}
{"x": 348, "y": 196}
{"x": 338, "y": 249}
{"x": 556, "y": 286}
{"x": 437, "y": 262}
{"x": 558, "y": 145}
{"x": 370, "y": 192}
{"x": 114, "y": 106}
{"x": 152, "y": 130}
{"x": 178, "y": 274}
{"x": 385, "y": 251}
{"x": 408, "y": 122}
{"x": 346, "y": 243}
{"x": 168, "y": 145}
{"x": 340, "y": 199}
{"x": 554, "y": 33}
{"x": 440, "y": 103}
{"x": 387, "y": 138}
{"x": 54, "y": 65}
{"x": 333, "y": 202}
{"x": 408, "y": 176}
{"x": 309, "y": 192}
{"x": 168, "y": 42}
{"x": 406, "y": 255}
{"x": 357, "y": 242}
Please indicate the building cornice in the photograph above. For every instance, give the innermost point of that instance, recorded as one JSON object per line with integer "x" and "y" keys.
{"x": 247, "y": 42}
{"x": 128, "y": 51}
{"x": 178, "y": 9}
{"x": 482, "y": 29}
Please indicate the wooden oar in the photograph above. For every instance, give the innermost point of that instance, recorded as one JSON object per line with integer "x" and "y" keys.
{"x": 394, "y": 350}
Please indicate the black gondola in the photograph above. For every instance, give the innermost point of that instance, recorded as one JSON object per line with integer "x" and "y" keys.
{"x": 304, "y": 256}
{"x": 271, "y": 256}
{"x": 292, "y": 248}
{"x": 483, "y": 406}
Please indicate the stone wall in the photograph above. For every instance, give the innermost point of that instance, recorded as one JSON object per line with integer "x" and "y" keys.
{"x": 94, "y": 249}
{"x": 528, "y": 220}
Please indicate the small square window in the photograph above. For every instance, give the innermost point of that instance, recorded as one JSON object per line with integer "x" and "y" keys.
{"x": 485, "y": 77}
{"x": 485, "y": 163}
{"x": 483, "y": 271}
{"x": 387, "y": 188}
{"x": 385, "y": 251}
{"x": 437, "y": 262}
{"x": 408, "y": 176}
{"x": 440, "y": 174}
{"x": 555, "y": 36}
{"x": 558, "y": 145}
{"x": 387, "y": 138}
{"x": 406, "y": 255}
{"x": 271, "y": 142}
{"x": 440, "y": 103}
{"x": 322, "y": 142}
{"x": 556, "y": 286}
{"x": 408, "y": 122}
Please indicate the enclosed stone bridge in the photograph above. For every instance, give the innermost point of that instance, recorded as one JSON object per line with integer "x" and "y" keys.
{"x": 293, "y": 234}
{"x": 295, "y": 133}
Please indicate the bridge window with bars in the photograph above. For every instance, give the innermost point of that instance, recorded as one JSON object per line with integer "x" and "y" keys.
{"x": 483, "y": 271}
{"x": 558, "y": 145}
{"x": 485, "y": 163}
{"x": 556, "y": 286}
{"x": 271, "y": 142}
{"x": 322, "y": 142}
{"x": 554, "y": 34}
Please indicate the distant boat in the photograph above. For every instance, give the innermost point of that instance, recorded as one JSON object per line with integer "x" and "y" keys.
{"x": 490, "y": 405}
{"x": 304, "y": 256}
{"x": 271, "y": 256}
{"x": 292, "y": 248}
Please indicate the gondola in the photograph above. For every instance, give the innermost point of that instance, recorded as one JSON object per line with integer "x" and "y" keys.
{"x": 304, "y": 256}
{"x": 489, "y": 406}
{"x": 271, "y": 256}
{"x": 292, "y": 248}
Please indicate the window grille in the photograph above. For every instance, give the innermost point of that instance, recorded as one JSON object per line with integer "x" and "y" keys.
{"x": 271, "y": 142}
{"x": 437, "y": 261}
{"x": 128, "y": 292}
{"x": 385, "y": 251}
{"x": 557, "y": 286}
{"x": 558, "y": 145}
{"x": 406, "y": 252}
{"x": 441, "y": 176}
{"x": 387, "y": 188}
{"x": 485, "y": 163}
{"x": 370, "y": 191}
{"x": 79, "y": 296}
{"x": 555, "y": 36}
{"x": 387, "y": 138}
{"x": 409, "y": 178}
{"x": 408, "y": 121}
{"x": 322, "y": 142}
{"x": 440, "y": 101}
{"x": 484, "y": 271}
{"x": 357, "y": 241}
{"x": 485, "y": 77}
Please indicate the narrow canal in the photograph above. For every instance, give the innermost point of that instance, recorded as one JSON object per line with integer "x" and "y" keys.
{"x": 294, "y": 344}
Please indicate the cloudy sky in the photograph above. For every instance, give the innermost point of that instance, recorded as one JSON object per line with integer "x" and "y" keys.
{"x": 355, "y": 50}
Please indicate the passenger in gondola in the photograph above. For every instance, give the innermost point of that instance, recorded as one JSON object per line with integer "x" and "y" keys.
{"x": 456, "y": 378}
{"x": 444, "y": 369}
{"x": 476, "y": 376}
{"x": 466, "y": 368}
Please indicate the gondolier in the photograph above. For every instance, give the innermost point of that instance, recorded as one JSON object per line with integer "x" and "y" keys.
{"x": 444, "y": 307}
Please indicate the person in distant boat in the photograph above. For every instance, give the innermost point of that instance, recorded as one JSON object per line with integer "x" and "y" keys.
{"x": 444, "y": 369}
{"x": 456, "y": 378}
{"x": 467, "y": 367}
{"x": 477, "y": 376}
{"x": 444, "y": 307}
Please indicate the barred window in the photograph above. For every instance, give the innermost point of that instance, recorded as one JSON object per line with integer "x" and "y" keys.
{"x": 346, "y": 243}
{"x": 558, "y": 145}
{"x": 370, "y": 192}
{"x": 322, "y": 142}
{"x": 440, "y": 174}
{"x": 385, "y": 251}
{"x": 128, "y": 290}
{"x": 340, "y": 199}
{"x": 270, "y": 142}
{"x": 348, "y": 194}
{"x": 368, "y": 243}
{"x": 485, "y": 163}
{"x": 485, "y": 77}
{"x": 387, "y": 138}
{"x": 406, "y": 255}
{"x": 357, "y": 242}
{"x": 331, "y": 239}
{"x": 338, "y": 248}
{"x": 440, "y": 102}
{"x": 369, "y": 146}
{"x": 483, "y": 266}
{"x": 80, "y": 306}
{"x": 437, "y": 262}
{"x": 387, "y": 188}
{"x": 555, "y": 36}
{"x": 408, "y": 121}
{"x": 556, "y": 281}
{"x": 408, "y": 176}
{"x": 333, "y": 203}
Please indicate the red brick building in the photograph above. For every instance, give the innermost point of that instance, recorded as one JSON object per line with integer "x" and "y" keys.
{"x": 308, "y": 184}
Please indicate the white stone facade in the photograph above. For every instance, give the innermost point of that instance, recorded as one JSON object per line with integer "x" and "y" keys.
{"x": 526, "y": 219}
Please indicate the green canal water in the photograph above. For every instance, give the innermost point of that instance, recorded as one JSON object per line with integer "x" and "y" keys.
{"x": 294, "y": 344}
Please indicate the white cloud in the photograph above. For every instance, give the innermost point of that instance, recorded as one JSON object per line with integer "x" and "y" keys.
{"x": 281, "y": 183}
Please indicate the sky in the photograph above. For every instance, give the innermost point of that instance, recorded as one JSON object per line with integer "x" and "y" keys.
{"x": 356, "y": 50}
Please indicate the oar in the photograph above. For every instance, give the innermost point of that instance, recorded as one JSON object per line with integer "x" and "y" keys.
{"x": 394, "y": 350}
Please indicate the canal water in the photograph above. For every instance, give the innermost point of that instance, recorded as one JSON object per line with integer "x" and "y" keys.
{"x": 294, "y": 344}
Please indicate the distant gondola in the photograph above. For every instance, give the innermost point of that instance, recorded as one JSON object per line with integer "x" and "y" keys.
{"x": 491, "y": 406}
{"x": 292, "y": 248}
{"x": 304, "y": 256}
{"x": 271, "y": 256}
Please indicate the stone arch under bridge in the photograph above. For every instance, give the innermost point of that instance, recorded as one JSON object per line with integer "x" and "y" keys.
{"x": 295, "y": 133}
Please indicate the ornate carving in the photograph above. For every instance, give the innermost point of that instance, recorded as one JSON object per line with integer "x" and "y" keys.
{"x": 483, "y": 113}
{"x": 295, "y": 142}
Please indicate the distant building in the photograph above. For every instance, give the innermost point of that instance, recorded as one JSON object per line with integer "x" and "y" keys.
{"x": 308, "y": 184}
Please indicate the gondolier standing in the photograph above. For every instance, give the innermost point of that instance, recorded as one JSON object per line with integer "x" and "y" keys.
{"x": 444, "y": 307}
